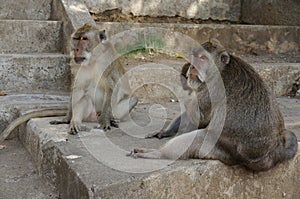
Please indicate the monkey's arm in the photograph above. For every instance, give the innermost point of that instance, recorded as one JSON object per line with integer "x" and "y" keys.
{"x": 172, "y": 129}
{"x": 106, "y": 116}
{"x": 28, "y": 116}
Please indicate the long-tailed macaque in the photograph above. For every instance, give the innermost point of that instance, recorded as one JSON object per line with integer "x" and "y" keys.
{"x": 253, "y": 132}
{"x": 93, "y": 80}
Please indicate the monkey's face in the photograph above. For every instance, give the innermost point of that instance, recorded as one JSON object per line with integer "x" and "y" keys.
{"x": 83, "y": 41}
{"x": 196, "y": 73}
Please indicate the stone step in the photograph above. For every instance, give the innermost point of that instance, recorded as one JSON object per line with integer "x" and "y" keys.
{"x": 253, "y": 39}
{"x": 158, "y": 79}
{"x": 33, "y": 73}
{"x": 93, "y": 164}
{"x": 25, "y": 9}
{"x": 30, "y": 36}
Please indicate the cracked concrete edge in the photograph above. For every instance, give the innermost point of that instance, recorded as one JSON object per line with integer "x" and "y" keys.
{"x": 73, "y": 13}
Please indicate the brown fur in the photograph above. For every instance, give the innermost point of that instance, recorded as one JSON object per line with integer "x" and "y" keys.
{"x": 253, "y": 134}
{"x": 93, "y": 81}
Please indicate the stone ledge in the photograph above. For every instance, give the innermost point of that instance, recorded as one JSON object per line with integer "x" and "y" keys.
{"x": 84, "y": 166}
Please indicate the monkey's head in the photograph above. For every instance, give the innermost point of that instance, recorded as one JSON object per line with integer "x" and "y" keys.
{"x": 83, "y": 41}
{"x": 204, "y": 61}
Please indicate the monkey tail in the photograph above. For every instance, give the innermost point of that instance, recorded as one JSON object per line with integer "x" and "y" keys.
{"x": 291, "y": 145}
{"x": 28, "y": 116}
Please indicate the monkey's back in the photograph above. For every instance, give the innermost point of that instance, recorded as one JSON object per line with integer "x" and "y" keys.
{"x": 253, "y": 118}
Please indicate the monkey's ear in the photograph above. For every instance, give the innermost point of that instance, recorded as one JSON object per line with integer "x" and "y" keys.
{"x": 225, "y": 57}
{"x": 102, "y": 36}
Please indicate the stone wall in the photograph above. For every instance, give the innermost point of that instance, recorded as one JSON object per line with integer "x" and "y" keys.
{"x": 271, "y": 12}
{"x": 228, "y": 10}
{"x": 264, "y": 12}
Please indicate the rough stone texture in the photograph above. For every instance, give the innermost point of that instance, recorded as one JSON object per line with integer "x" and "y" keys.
{"x": 34, "y": 72}
{"x": 271, "y": 12}
{"x": 213, "y": 9}
{"x": 18, "y": 176}
{"x": 24, "y": 36}
{"x": 73, "y": 14}
{"x": 246, "y": 38}
{"x": 89, "y": 166}
{"x": 12, "y": 105}
{"x": 25, "y": 9}
{"x": 278, "y": 76}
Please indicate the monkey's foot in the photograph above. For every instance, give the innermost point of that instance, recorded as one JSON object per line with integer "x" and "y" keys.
{"x": 135, "y": 153}
{"x": 114, "y": 123}
{"x": 143, "y": 153}
{"x": 106, "y": 125}
{"x": 74, "y": 128}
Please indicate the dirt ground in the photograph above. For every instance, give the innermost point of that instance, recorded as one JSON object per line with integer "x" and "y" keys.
{"x": 18, "y": 175}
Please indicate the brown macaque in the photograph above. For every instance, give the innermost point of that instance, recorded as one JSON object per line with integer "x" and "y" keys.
{"x": 92, "y": 86}
{"x": 253, "y": 132}
{"x": 93, "y": 82}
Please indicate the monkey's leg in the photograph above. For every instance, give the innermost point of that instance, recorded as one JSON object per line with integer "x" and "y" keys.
{"x": 81, "y": 110}
{"x": 286, "y": 149}
{"x": 186, "y": 146}
{"x": 178, "y": 147}
{"x": 106, "y": 115}
{"x": 290, "y": 145}
{"x": 124, "y": 107}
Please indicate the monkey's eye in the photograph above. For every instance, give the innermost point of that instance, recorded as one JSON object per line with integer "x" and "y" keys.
{"x": 83, "y": 38}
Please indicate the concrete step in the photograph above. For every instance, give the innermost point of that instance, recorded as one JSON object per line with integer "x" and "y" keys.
{"x": 28, "y": 36}
{"x": 25, "y": 9}
{"x": 93, "y": 164}
{"x": 254, "y": 39}
{"x": 33, "y": 73}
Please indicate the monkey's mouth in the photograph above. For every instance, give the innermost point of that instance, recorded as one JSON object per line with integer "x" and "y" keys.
{"x": 79, "y": 60}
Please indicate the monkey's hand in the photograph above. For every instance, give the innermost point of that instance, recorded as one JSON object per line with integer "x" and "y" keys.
{"x": 158, "y": 135}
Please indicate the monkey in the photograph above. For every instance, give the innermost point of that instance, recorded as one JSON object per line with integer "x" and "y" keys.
{"x": 87, "y": 91}
{"x": 93, "y": 82}
{"x": 184, "y": 122}
{"x": 253, "y": 134}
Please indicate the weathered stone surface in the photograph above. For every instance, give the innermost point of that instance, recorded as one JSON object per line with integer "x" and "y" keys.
{"x": 245, "y": 38}
{"x": 25, "y": 9}
{"x": 24, "y": 36}
{"x": 278, "y": 76}
{"x": 213, "y": 9}
{"x": 271, "y": 12}
{"x": 89, "y": 166}
{"x": 34, "y": 72}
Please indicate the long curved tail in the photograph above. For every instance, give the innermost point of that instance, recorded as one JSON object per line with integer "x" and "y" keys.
{"x": 24, "y": 118}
